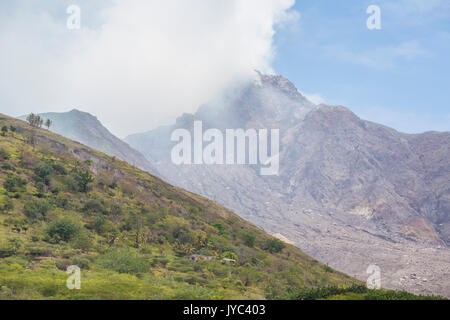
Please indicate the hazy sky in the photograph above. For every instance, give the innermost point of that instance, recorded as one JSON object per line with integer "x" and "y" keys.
{"x": 137, "y": 64}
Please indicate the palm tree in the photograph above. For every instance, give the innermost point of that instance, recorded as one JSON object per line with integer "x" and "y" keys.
{"x": 48, "y": 123}
{"x": 4, "y": 130}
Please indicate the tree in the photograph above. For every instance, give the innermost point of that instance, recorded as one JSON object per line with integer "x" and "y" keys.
{"x": 48, "y": 123}
{"x": 63, "y": 230}
{"x": 43, "y": 173}
{"x": 274, "y": 245}
{"x": 35, "y": 120}
{"x": 83, "y": 177}
{"x": 4, "y": 130}
{"x": 12, "y": 129}
{"x": 31, "y": 118}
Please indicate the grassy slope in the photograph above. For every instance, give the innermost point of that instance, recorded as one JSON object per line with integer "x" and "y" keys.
{"x": 130, "y": 233}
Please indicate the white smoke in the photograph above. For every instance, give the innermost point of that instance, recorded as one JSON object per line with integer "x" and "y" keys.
{"x": 135, "y": 64}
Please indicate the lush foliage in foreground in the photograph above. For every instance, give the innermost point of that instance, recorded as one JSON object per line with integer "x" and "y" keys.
{"x": 354, "y": 292}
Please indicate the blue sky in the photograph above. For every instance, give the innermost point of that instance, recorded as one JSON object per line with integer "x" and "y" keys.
{"x": 398, "y": 76}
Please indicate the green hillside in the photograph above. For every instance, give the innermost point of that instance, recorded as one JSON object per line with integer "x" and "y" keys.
{"x": 131, "y": 234}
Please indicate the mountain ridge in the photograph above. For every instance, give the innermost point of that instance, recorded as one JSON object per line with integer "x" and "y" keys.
{"x": 339, "y": 175}
{"x": 63, "y": 203}
{"x": 87, "y": 129}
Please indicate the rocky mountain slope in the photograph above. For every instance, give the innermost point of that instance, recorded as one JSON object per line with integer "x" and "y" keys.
{"x": 86, "y": 129}
{"x": 133, "y": 235}
{"x": 349, "y": 192}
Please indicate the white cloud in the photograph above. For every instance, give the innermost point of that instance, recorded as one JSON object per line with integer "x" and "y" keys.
{"x": 146, "y": 63}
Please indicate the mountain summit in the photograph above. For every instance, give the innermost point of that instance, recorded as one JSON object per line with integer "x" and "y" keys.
{"x": 349, "y": 192}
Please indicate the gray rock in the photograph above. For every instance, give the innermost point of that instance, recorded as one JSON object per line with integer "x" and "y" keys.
{"x": 379, "y": 193}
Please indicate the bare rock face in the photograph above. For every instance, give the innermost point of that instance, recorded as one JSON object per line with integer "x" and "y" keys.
{"x": 351, "y": 193}
{"x": 359, "y": 167}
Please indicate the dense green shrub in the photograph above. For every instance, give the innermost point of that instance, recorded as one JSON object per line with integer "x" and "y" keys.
{"x": 362, "y": 291}
{"x": 83, "y": 178}
{"x": 274, "y": 245}
{"x": 4, "y": 130}
{"x": 220, "y": 228}
{"x": 62, "y": 230}
{"x": 124, "y": 261}
{"x": 43, "y": 173}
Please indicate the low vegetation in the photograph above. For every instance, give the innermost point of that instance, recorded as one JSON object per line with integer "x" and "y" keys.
{"x": 354, "y": 292}
{"x": 131, "y": 234}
